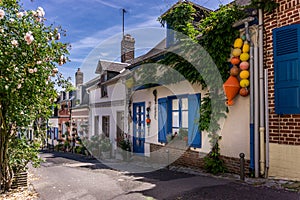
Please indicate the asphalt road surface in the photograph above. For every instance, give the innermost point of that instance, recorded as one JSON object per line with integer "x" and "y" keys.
{"x": 67, "y": 176}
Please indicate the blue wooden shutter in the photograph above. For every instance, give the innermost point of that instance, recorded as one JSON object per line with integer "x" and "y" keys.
{"x": 162, "y": 120}
{"x": 194, "y": 134}
{"x": 286, "y": 54}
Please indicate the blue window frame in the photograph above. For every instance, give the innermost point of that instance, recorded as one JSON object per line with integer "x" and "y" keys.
{"x": 177, "y": 112}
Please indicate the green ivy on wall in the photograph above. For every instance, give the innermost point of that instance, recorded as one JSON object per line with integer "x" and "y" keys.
{"x": 216, "y": 35}
{"x": 267, "y": 5}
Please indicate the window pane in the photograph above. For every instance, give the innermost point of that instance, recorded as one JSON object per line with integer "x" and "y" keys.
{"x": 184, "y": 102}
{"x": 175, "y": 119}
{"x": 175, "y": 104}
{"x": 185, "y": 120}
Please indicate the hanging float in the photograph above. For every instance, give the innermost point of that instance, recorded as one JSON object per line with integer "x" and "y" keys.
{"x": 238, "y": 82}
{"x": 231, "y": 88}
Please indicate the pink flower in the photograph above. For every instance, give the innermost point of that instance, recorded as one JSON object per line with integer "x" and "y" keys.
{"x": 19, "y": 86}
{"x": 35, "y": 69}
{"x": 40, "y": 12}
{"x": 29, "y": 38}
{"x": 20, "y": 14}
{"x": 30, "y": 70}
{"x": 62, "y": 60}
{"x": 14, "y": 43}
{"x": 38, "y": 19}
{"x": 2, "y": 14}
{"x": 39, "y": 62}
{"x": 55, "y": 70}
{"x": 58, "y": 36}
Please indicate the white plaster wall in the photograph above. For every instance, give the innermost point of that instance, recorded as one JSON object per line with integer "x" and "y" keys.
{"x": 235, "y": 128}
{"x": 116, "y": 92}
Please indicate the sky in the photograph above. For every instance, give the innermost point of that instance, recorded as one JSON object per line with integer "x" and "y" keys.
{"x": 94, "y": 27}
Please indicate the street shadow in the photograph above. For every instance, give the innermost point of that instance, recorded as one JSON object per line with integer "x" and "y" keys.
{"x": 55, "y": 158}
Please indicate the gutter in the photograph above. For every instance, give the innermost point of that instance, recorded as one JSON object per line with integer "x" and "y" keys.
{"x": 261, "y": 93}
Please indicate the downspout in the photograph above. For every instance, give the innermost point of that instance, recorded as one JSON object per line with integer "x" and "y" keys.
{"x": 256, "y": 111}
{"x": 251, "y": 102}
{"x": 261, "y": 92}
{"x": 267, "y": 124}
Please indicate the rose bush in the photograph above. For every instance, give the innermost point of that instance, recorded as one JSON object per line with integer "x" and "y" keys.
{"x": 29, "y": 55}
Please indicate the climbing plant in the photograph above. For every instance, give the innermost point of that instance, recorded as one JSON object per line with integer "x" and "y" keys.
{"x": 267, "y": 5}
{"x": 216, "y": 35}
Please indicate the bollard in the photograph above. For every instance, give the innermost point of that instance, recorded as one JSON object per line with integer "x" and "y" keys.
{"x": 168, "y": 159}
{"x": 242, "y": 166}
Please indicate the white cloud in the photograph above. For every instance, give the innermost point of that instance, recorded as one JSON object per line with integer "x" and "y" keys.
{"x": 78, "y": 60}
{"x": 109, "y": 4}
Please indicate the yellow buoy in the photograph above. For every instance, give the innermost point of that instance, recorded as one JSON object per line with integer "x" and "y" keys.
{"x": 238, "y": 43}
{"x": 244, "y": 83}
{"x": 246, "y": 47}
{"x": 244, "y": 74}
{"x": 236, "y": 52}
{"x": 244, "y": 56}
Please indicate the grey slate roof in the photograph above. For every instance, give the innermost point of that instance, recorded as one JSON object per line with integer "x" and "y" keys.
{"x": 112, "y": 66}
{"x": 159, "y": 49}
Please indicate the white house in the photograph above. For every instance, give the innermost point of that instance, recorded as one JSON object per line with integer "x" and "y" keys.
{"x": 107, "y": 102}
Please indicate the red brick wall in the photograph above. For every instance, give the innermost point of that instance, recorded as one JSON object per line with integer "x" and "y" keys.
{"x": 192, "y": 159}
{"x": 284, "y": 129}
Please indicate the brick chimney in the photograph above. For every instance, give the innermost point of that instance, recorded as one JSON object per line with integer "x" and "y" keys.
{"x": 78, "y": 77}
{"x": 127, "y": 49}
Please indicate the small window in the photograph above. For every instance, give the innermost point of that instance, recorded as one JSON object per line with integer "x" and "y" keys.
{"x": 104, "y": 91}
{"x": 96, "y": 125}
{"x": 105, "y": 126}
{"x": 179, "y": 114}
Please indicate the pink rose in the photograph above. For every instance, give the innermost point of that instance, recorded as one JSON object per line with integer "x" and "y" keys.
{"x": 14, "y": 43}
{"x": 30, "y": 70}
{"x": 20, "y": 14}
{"x": 2, "y": 14}
{"x": 29, "y": 38}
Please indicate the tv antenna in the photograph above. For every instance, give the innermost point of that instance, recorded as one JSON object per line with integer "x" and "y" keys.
{"x": 123, "y": 19}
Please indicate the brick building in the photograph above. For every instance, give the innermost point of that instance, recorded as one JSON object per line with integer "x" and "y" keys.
{"x": 281, "y": 58}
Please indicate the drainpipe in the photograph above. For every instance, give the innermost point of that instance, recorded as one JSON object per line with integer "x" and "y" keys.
{"x": 256, "y": 111}
{"x": 267, "y": 124}
{"x": 251, "y": 97}
{"x": 261, "y": 92}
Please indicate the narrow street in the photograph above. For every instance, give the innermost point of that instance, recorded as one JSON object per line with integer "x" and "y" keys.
{"x": 68, "y": 176}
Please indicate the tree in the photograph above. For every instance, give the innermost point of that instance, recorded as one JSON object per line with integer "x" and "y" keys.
{"x": 29, "y": 53}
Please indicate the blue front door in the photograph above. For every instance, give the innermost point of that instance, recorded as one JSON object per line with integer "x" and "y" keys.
{"x": 138, "y": 127}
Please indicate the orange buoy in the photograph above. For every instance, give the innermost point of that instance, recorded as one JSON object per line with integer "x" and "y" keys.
{"x": 231, "y": 88}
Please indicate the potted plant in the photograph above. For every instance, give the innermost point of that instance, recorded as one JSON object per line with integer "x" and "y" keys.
{"x": 105, "y": 148}
{"x": 183, "y": 133}
{"x": 125, "y": 145}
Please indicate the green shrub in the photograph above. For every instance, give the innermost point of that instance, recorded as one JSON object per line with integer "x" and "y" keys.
{"x": 213, "y": 163}
{"x": 125, "y": 145}
{"x": 105, "y": 145}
